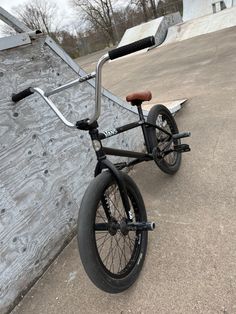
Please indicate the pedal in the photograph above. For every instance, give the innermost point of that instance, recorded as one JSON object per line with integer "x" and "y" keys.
{"x": 181, "y": 135}
{"x": 183, "y": 148}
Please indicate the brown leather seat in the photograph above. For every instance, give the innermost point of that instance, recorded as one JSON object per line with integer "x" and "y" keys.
{"x": 139, "y": 96}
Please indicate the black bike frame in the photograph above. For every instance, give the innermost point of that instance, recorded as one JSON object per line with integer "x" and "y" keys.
{"x": 125, "y": 153}
{"x": 101, "y": 152}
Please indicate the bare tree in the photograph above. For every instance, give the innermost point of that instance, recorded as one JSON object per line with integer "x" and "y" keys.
{"x": 156, "y": 8}
{"x": 149, "y": 8}
{"x": 69, "y": 42}
{"x": 154, "y": 5}
{"x": 43, "y": 15}
{"x": 143, "y": 5}
{"x": 39, "y": 14}
{"x": 165, "y": 7}
{"x": 99, "y": 15}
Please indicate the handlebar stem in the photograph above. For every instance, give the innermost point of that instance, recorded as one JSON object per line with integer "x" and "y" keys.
{"x": 98, "y": 88}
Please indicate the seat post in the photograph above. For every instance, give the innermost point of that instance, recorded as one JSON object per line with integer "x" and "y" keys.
{"x": 138, "y": 103}
{"x": 140, "y": 112}
{"x": 144, "y": 127}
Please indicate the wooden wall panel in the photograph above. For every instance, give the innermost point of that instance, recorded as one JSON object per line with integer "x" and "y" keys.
{"x": 45, "y": 167}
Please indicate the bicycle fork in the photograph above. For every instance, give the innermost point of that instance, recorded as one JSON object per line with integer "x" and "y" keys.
{"x": 127, "y": 224}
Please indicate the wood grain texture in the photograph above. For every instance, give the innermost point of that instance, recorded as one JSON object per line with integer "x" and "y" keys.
{"x": 44, "y": 166}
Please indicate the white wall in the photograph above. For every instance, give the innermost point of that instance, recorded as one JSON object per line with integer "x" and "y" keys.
{"x": 195, "y": 8}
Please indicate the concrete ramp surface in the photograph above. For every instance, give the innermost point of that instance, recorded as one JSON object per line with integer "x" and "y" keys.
{"x": 157, "y": 28}
{"x": 202, "y": 25}
{"x": 195, "y": 8}
{"x": 190, "y": 266}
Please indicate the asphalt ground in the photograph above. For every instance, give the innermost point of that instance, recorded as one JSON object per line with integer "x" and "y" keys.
{"x": 191, "y": 262}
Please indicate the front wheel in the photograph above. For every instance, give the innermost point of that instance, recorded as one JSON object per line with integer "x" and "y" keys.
{"x": 159, "y": 115}
{"x": 112, "y": 258}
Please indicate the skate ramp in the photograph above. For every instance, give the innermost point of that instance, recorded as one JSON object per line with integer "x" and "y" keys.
{"x": 202, "y": 25}
{"x": 157, "y": 28}
{"x": 45, "y": 167}
{"x": 196, "y": 8}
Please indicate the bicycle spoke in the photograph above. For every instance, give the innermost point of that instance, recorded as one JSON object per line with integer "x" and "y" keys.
{"x": 103, "y": 243}
{"x": 98, "y": 239}
{"x": 100, "y": 216}
{"x": 116, "y": 250}
{"x": 107, "y": 256}
{"x": 115, "y": 256}
{"x": 162, "y": 139}
{"x": 115, "y": 207}
{"x": 122, "y": 251}
{"x": 112, "y": 256}
{"x": 120, "y": 254}
{"x": 129, "y": 243}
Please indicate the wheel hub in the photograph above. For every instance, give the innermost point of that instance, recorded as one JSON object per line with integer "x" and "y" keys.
{"x": 113, "y": 226}
{"x": 123, "y": 226}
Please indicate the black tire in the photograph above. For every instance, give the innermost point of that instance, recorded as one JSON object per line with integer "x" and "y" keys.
{"x": 120, "y": 271}
{"x": 160, "y": 115}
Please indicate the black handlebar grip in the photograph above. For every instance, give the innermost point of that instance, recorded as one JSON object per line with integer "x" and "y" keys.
{"x": 21, "y": 95}
{"x": 133, "y": 47}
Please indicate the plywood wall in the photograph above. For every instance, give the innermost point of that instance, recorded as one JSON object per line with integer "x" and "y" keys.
{"x": 45, "y": 167}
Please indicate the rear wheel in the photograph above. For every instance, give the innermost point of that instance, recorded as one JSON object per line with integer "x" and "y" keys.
{"x": 159, "y": 115}
{"x": 112, "y": 258}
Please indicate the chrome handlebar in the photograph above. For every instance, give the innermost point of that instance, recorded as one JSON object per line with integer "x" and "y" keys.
{"x": 47, "y": 94}
{"x": 111, "y": 55}
{"x": 97, "y": 75}
{"x": 52, "y": 105}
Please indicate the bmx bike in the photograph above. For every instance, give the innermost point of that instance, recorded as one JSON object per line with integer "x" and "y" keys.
{"x": 112, "y": 223}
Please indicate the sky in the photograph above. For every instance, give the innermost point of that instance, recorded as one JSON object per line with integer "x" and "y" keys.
{"x": 7, "y": 5}
{"x": 63, "y": 5}
{"x": 66, "y": 12}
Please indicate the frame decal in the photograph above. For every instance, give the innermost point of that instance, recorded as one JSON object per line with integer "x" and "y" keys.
{"x": 110, "y": 133}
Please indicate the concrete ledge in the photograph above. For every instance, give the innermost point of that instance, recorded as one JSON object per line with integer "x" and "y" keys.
{"x": 157, "y": 28}
{"x": 202, "y": 25}
{"x": 173, "y": 106}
